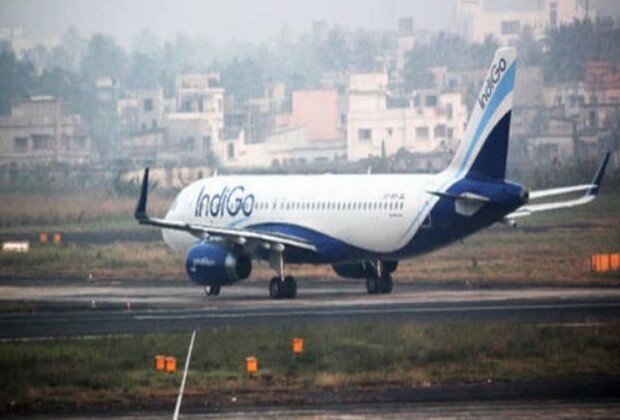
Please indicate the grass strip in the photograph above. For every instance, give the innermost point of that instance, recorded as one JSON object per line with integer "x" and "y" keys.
{"x": 119, "y": 371}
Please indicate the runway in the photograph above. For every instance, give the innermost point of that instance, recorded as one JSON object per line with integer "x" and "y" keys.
{"x": 443, "y": 410}
{"x": 47, "y": 309}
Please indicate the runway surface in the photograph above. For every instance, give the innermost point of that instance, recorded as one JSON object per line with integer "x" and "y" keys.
{"x": 459, "y": 410}
{"x": 46, "y": 309}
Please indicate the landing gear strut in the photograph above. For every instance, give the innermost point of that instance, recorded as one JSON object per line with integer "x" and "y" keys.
{"x": 281, "y": 287}
{"x": 378, "y": 280}
{"x": 213, "y": 290}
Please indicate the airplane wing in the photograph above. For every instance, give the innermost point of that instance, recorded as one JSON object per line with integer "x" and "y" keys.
{"x": 591, "y": 191}
{"x": 232, "y": 235}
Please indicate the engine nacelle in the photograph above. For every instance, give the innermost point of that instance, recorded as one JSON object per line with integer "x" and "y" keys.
{"x": 359, "y": 270}
{"x": 208, "y": 264}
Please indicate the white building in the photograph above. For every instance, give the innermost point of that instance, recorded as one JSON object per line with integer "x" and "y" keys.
{"x": 40, "y": 131}
{"x": 150, "y": 109}
{"x": 284, "y": 148}
{"x": 195, "y": 128}
{"x": 505, "y": 19}
{"x": 430, "y": 122}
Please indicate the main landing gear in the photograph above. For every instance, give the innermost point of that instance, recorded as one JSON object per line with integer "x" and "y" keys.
{"x": 281, "y": 287}
{"x": 378, "y": 279}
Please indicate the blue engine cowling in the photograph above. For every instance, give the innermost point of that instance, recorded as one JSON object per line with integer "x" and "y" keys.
{"x": 208, "y": 264}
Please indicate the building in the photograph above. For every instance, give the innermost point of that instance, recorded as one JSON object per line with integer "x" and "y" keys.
{"x": 379, "y": 125}
{"x": 318, "y": 111}
{"x": 150, "y": 108}
{"x": 39, "y": 131}
{"x": 195, "y": 127}
{"x": 284, "y": 148}
{"x": 505, "y": 19}
{"x": 106, "y": 120}
{"x": 19, "y": 42}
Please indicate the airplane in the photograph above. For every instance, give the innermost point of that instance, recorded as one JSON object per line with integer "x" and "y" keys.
{"x": 362, "y": 225}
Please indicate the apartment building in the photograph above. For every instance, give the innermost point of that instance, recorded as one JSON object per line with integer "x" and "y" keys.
{"x": 39, "y": 131}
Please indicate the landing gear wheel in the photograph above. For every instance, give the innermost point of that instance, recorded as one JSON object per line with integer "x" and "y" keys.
{"x": 372, "y": 285}
{"x": 290, "y": 287}
{"x": 386, "y": 284}
{"x": 213, "y": 290}
{"x": 276, "y": 288}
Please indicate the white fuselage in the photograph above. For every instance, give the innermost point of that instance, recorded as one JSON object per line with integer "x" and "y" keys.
{"x": 376, "y": 213}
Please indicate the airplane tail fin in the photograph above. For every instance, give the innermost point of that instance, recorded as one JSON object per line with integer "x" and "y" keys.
{"x": 483, "y": 150}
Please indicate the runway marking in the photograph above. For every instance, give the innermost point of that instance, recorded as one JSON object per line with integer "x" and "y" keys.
{"x": 68, "y": 337}
{"x": 369, "y": 311}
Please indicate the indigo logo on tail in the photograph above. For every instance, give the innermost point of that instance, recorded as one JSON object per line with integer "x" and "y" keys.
{"x": 496, "y": 73}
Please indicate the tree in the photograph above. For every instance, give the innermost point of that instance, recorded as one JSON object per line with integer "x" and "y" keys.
{"x": 69, "y": 53}
{"x": 244, "y": 79}
{"x": 365, "y": 50}
{"x": 334, "y": 53}
{"x": 103, "y": 58}
{"x": 570, "y": 47}
{"x": 16, "y": 79}
{"x": 69, "y": 87}
{"x": 144, "y": 72}
{"x": 447, "y": 50}
{"x": 530, "y": 51}
{"x": 147, "y": 43}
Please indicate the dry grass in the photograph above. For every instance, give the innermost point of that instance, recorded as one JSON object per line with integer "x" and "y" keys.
{"x": 20, "y": 210}
{"x": 105, "y": 262}
{"x": 518, "y": 257}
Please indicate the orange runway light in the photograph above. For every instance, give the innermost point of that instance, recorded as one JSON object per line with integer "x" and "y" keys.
{"x": 160, "y": 363}
{"x": 298, "y": 346}
{"x": 251, "y": 365}
{"x": 171, "y": 364}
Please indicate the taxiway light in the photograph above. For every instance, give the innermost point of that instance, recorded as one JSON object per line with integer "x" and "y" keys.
{"x": 57, "y": 238}
{"x": 16, "y": 246}
{"x": 43, "y": 239}
{"x": 160, "y": 362}
{"x": 171, "y": 364}
{"x": 251, "y": 365}
{"x": 602, "y": 263}
{"x": 298, "y": 346}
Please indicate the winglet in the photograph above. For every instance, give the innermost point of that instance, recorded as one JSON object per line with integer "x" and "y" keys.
{"x": 598, "y": 178}
{"x": 140, "y": 213}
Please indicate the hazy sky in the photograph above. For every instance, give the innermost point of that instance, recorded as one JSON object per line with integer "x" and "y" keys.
{"x": 222, "y": 20}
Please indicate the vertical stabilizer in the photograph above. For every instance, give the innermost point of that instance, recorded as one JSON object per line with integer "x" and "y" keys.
{"x": 483, "y": 150}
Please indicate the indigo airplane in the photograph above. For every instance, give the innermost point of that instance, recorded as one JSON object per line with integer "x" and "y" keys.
{"x": 360, "y": 224}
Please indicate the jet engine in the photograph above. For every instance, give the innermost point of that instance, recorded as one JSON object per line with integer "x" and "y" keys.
{"x": 209, "y": 265}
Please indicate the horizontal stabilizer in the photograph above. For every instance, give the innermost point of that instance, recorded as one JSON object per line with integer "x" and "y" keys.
{"x": 590, "y": 195}
{"x": 466, "y": 196}
{"x": 535, "y": 208}
{"x": 559, "y": 191}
